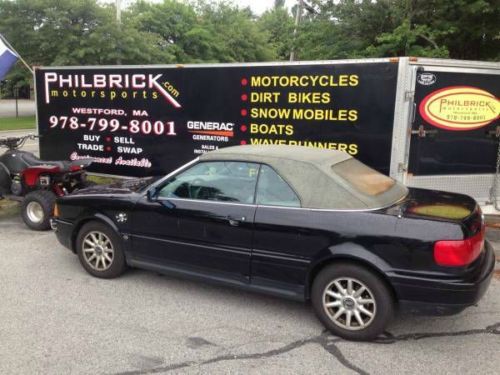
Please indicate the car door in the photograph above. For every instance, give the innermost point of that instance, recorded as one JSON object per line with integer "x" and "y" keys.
{"x": 201, "y": 221}
{"x": 283, "y": 240}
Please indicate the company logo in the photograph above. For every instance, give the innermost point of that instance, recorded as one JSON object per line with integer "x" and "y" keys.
{"x": 108, "y": 86}
{"x": 224, "y": 129}
{"x": 459, "y": 108}
{"x": 426, "y": 79}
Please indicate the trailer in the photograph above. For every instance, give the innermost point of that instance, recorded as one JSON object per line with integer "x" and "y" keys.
{"x": 430, "y": 123}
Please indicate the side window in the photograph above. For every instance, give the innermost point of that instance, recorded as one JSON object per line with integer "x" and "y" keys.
{"x": 272, "y": 190}
{"x": 226, "y": 181}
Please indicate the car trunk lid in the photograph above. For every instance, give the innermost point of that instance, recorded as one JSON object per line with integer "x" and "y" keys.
{"x": 449, "y": 207}
{"x": 443, "y": 206}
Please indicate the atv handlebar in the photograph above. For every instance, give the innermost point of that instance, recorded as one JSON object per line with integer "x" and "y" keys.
{"x": 13, "y": 143}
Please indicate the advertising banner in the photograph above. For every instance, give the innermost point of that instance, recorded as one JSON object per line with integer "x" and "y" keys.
{"x": 455, "y": 128}
{"x": 142, "y": 121}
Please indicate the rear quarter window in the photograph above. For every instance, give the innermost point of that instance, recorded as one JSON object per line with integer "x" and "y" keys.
{"x": 363, "y": 178}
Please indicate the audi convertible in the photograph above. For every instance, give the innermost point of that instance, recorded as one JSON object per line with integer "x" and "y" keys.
{"x": 302, "y": 223}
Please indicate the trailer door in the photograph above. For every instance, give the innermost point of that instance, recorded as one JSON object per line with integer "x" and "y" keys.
{"x": 455, "y": 133}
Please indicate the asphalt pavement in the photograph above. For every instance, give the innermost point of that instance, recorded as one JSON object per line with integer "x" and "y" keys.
{"x": 57, "y": 319}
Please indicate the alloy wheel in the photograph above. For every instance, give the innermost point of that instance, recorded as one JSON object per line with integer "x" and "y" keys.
{"x": 349, "y": 303}
{"x": 98, "y": 250}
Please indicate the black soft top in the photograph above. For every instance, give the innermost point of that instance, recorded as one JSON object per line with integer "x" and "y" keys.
{"x": 309, "y": 172}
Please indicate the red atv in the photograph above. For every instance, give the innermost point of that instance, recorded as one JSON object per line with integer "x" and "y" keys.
{"x": 37, "y": 183}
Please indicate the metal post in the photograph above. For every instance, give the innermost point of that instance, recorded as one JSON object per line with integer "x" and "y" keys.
{"x": 119, "y": 23}
{"x": 16, "y": 96}
{"x": 297, "y": 20}
{"x": 118, "y": 12}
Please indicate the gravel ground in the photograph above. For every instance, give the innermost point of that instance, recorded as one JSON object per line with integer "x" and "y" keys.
{"x": 58, "y": 319}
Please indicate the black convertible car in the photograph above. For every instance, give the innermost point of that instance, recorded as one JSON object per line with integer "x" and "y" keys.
{"x": 297, "y": 222}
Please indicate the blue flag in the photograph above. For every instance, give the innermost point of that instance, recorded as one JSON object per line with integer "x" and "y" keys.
{"x": 7, "y": 59}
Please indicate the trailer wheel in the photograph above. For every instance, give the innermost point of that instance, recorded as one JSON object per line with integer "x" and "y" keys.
{"x": 37, "y": 208}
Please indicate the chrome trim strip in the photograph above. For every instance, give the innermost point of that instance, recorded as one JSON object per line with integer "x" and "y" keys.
{"x": 254, "y": 252}
{"x": 242, "y": 251}
{"x": 278, "y": 255}
{"x": 203, "y": 201}
{"x": 279, "y": 207}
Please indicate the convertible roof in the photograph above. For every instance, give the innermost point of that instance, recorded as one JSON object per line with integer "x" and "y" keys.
{"x": 308, "y": 171}
{"x": 273, "y": 153}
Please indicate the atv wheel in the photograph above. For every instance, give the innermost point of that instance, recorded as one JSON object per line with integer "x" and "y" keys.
{"x": 37, "y": 208}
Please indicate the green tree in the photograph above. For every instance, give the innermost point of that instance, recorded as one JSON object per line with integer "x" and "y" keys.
{"x": 71, "y": 32}
{"x": 203, "y": 31}
{"x": 469, "y": 29}
{"x": 278, "y": 24}
{"x": 85, "y": 32}
{"x": 237, "y": 34}
{"x": 463, "y": 29}
{"x": 181, "y": 39}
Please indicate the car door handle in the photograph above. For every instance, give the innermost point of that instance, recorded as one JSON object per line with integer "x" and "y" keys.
{"x": 235, "y": 221}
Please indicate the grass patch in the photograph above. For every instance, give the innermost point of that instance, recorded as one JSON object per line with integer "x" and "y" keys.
{"x": 15, "y": 123}
{"x": 8, "y": 207}
{"x": 102, "y": 180}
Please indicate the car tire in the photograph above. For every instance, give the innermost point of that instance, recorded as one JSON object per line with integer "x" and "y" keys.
{"x": 100, "y": 250}
{"x": 37, "y": 209}
{"x": 337, "y": 286}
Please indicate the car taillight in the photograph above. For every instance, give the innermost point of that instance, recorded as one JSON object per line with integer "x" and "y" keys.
{"x": 452, "y": 253}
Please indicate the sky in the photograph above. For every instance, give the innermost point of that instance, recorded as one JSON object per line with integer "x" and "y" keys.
{"x": 260, "y": 6}
{"x": 257, "y": 6}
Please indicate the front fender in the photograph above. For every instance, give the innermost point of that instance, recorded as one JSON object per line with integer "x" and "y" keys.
{"x": 91, "y": 216}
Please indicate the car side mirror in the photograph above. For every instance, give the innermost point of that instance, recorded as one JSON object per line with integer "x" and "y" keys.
{"x": 151, "y": 195}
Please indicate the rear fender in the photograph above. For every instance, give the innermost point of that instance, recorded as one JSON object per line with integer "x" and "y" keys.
{"x": 30, "y": 175}
{"x": 347, "y": 251}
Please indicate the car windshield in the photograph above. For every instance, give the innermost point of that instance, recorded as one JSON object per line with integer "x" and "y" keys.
{"x": 375, "y": 186}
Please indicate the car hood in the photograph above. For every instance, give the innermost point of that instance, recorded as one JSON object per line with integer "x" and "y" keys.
{"x": 128, "y": 186}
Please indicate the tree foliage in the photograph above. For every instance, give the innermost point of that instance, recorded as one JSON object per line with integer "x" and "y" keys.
{"x": 278, "y": 24}
{"x": 85, "y": 32}
{"x": 462, "y": 29}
